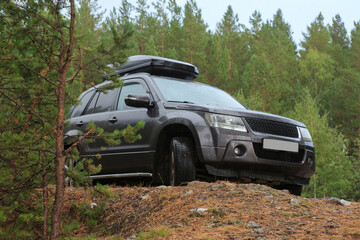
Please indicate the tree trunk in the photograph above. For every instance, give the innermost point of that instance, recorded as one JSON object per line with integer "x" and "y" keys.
{"x": 45, "y": 200}
{"x": 65, "y": 60}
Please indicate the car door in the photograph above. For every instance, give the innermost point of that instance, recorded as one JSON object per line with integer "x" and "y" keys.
{"x": 78, "y": 120}
{"x": 137, "y": 156}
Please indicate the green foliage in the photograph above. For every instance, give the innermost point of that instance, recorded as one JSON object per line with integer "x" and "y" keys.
{"x": 90, "y": 214}
{"x": 335, "y": 175}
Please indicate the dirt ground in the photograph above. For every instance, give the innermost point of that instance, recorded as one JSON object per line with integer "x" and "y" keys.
{"x": 218, "y": 210}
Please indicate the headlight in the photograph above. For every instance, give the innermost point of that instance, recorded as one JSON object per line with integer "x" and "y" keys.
{"x": 305, "y": 134}
{"x": 226, "y": 122}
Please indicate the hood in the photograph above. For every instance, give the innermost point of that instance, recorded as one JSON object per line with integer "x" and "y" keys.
{"x": 246, "y": 113}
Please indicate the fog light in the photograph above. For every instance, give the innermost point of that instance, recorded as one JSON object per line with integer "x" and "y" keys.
{"x": 310, "y": 161}
{"x": 239, "y": 151}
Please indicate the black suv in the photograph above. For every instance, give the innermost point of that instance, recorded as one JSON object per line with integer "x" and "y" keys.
{"x": 190, "y": 129}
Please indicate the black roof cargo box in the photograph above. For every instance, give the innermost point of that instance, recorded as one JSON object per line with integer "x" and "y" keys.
{"x": 158, "y": 66}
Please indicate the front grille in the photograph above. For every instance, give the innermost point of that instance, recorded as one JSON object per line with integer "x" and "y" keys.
{"x": 278, "y": 155}
{"x": 272, "y": 127}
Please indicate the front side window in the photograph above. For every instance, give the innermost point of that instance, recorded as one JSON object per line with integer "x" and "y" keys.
{"x": 129, "y": 88}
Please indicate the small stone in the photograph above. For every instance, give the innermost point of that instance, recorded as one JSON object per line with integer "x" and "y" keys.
{"x": 199, "y": 210}
{"x": 268, "y": 195}
{"x": 216, "y": 187}
{"x": 278, "y": 207}
{"x": 235, "y": 222}
{"x": 259, "y": 230}
{"x": 339, "y": 201}
{"x": 187, "y": 193}
{"x": 179, "y": 225}
{"x": 295, "y": 201}
{"x": 253, "y": 225}
{"x": 144, "y": 197}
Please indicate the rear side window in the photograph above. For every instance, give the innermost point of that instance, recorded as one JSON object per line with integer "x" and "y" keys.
{"x": 79, "y": 109}
{"x": 91, "y": 107}
{"x": 105, "y": 101}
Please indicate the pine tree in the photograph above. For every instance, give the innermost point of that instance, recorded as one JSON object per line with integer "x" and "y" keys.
{"x": 142, "y": 24}
{"x": 162, "y": 26}
{"x": 87, "y": 25}
{"x": 36, "y": 79}
{"x": 232, "y": 52}
{"x": 338, "y": 32}
{"x": 335, "y": 175}
{"x": 317, "y": 37}
{"x": 194, "y": 35}
{"x": 174, "y": 36}
{"x": 272, "y": 71}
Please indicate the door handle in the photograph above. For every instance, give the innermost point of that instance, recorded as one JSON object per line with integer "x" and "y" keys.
{"x": 113, "y": 120}
{"x": 79, "y": 124}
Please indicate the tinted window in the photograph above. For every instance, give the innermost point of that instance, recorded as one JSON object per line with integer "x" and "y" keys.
{"x": 130, "y": 88}
{"x": 78, "y": 110}
{"x": 91, "y": 107}
{"x": 105, "y": 101}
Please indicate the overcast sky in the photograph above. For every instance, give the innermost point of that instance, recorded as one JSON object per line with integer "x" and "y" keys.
{"x": 299, "y": 14}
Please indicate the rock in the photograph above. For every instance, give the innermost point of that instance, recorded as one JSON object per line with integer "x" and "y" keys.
{"x": 278, "y": 207}
{"x": 235, "y": 222}
{"x": 144, "y": 197}
{"x": 259, "y": 230}
{"x": 216, "y": 187}
{"x": 339, "y": 201}
{"x": 295, "y": 201}
{"x": 253, "y": 225}
{"x": 187, "y": 193}
{"x": 269, "y": 195}
{"x": 199, "y": 210}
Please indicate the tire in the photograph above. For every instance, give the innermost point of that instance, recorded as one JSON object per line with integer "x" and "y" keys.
{"x": 182, "y": 158}
{"x": 295, "y": 189}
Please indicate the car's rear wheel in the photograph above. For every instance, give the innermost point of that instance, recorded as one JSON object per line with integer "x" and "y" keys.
{"x": 293, "y": 188}
{"x": 182, "y": 158}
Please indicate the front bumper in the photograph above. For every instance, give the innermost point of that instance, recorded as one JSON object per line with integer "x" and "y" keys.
{"x": 258, "y": 163}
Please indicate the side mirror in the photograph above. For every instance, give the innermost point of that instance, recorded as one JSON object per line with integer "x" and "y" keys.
{"x": 133, "y": 100}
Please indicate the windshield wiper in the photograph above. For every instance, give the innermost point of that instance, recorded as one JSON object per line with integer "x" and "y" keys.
{"x": 181, "y": 101}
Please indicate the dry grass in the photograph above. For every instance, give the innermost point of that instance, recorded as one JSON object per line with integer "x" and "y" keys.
{"x": 230, "y": 208}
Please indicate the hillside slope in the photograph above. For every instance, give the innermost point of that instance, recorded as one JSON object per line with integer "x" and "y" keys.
{"x": 220, "y": 210}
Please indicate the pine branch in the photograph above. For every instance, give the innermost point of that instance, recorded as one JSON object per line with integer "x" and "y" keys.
{"x": 25, "y": 108}
{"x": 69, "y": 149}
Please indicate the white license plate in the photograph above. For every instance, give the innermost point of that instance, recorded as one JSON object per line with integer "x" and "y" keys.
{"x": 281, "y": 145}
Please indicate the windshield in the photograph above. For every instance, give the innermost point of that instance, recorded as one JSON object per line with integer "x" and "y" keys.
{"x": 176, "y": 90}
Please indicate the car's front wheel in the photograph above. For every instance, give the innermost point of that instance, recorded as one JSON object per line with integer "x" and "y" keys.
{"x": 182, "y": 161}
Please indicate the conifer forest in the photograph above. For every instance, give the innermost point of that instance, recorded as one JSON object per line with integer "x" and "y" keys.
{"x": 52, "y": 50}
